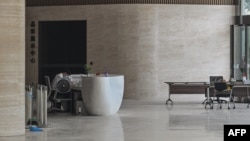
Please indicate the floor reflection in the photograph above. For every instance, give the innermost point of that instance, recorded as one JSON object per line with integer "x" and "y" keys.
{"x": 104, "y": 128}
{"x": 142, "y": 121}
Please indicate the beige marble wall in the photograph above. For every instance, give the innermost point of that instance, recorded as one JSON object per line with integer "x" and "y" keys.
{"x": 151, "y": 44}
{"x": 12, "y": 70}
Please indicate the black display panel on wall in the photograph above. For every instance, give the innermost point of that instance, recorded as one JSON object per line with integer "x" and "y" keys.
{"x": 62, "y": 47}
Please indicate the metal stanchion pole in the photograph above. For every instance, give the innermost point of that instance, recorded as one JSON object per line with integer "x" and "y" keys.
{"x": 45, "y": 106}
{"x": 41, "y": 106}
{"x": 38, "y": 103}
{"x": 28, "y": 104}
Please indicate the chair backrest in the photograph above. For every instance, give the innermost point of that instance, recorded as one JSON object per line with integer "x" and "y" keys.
{"x": 220, "y": 86}
{"x": 214, "y": 79}
{"x": 48, "y": 84}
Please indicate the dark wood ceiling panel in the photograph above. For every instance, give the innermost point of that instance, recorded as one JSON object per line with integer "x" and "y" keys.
{"x": 93, "y": 2}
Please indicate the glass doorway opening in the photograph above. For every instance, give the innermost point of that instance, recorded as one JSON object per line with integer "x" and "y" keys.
{"x": 240, "y": 52}
{"x": 62, "y": 47}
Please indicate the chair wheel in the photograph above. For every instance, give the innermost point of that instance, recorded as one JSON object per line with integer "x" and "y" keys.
{"x": 228, "y": 108}
{"x": 220, "y": 107}
{"x": 211, "y": 107}
{"x": 234, "y": 107}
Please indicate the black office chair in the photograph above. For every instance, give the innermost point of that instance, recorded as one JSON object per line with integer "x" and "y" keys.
{"x": 221, "y": 90}
{"x": 212, "y": 80}
{"x": 48, "y": 84}
{"x": 51, "y": 93}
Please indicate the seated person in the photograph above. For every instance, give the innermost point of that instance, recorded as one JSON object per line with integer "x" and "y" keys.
{"x": 229, "y": 87}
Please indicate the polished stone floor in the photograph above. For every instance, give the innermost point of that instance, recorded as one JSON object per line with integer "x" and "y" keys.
{"x": 143, "y": 120}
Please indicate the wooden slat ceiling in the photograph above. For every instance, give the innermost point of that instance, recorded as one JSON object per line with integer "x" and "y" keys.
{"x": 95, "y": 2}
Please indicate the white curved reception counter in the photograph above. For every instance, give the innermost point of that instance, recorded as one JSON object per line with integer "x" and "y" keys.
{"x": 102, "y": 95}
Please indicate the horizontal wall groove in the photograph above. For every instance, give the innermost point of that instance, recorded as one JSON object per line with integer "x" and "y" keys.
{"x": 99, "y": 2}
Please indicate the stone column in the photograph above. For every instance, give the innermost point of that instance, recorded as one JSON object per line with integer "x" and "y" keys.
{"x": 12, "y": 67}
